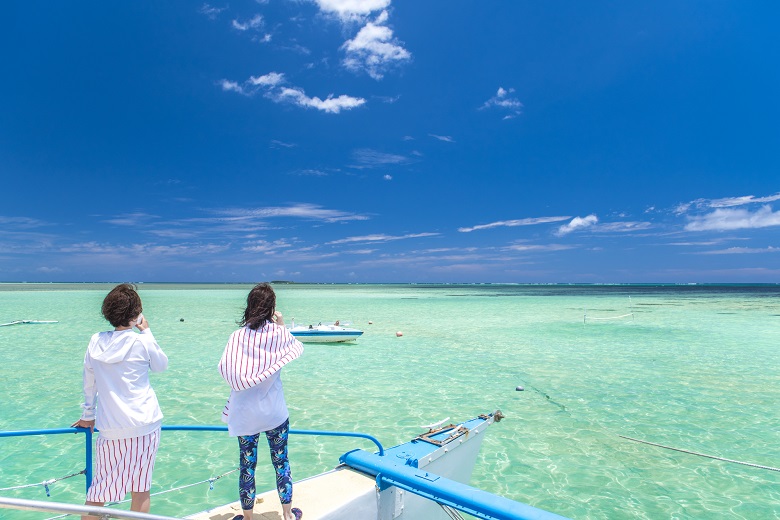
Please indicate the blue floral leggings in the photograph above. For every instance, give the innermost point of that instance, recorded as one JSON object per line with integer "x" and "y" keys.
{"x": 277, "y": 442}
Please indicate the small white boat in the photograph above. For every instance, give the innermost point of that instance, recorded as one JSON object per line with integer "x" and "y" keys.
{"x": 27, "y": 322}
{"x": 328, "y": 333}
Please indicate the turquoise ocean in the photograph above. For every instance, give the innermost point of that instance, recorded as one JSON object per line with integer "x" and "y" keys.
{"x": 692, "y": 367}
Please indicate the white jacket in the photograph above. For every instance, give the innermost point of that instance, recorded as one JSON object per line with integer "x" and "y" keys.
{"x": 116, "y": 368}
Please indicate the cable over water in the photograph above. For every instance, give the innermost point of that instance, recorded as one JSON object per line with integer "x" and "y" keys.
{"x": 45, "y": 483}
{"x": 701, "y": 454}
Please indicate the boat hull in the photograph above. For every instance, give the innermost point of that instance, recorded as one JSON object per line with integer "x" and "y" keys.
{"x": 349, "y": 493}
{"x": 325, "y": 334}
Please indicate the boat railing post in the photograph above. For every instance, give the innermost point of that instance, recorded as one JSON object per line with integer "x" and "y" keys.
{"x": 88, "y": 457}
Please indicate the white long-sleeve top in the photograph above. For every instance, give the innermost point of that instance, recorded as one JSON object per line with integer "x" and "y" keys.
{"x": 116, "y": 372}
{"x": 251, "y": 365}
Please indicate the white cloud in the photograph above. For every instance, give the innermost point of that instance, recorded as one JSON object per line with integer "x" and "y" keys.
{"x": 255, "y": 23}
{"x": 445, "y": 138}
{"x": 360, "y": 251}
{"x": 281, "y": 144}
{"x": 388, "y": 177}
{"x": 264, "y": 246}
{"x": 271, "y": 79}
{"x": 725, "y": 202}
{"x": 503, "y": 101}
{"x": 311, "y": 172}
{"x": 332, "y": 105}
{"x": 513, "y": 223}
{"x": 740, "y": 201}
{"x": 743, "y": 250}
{"x": 539, "y": 247}
{"x": 232, "y": 86}
{"x": 20, "y": 222}
{"x": 130, "y": 219}
{"x": 381, "y": 238}
{"x": 730, "y": 219}
{"x": 623, "y": 227}
{"x": 271, "y": 85}
{"x": 578, "y": 223}
{"x": 118, "y": 250}
{"x": 351, "y": 9}
{"x": 210, "y": 11}
{"x": 367, "y": 158}
{"x": 374, "y": 49}
{"x": 305, "y": 211}
{"x": 49, "y": 270}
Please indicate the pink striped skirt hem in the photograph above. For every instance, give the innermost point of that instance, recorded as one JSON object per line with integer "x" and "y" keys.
{"x": 122, "y": 466}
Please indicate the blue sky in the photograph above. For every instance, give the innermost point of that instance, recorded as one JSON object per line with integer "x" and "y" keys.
{"x": 390, "y": 141}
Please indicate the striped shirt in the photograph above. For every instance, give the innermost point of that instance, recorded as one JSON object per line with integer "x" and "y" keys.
{"x": 250, "y": 365}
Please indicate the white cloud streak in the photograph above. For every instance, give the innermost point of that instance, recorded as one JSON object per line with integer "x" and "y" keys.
{"x": 272, "y": 86}
{"x": 539, "y": 247}
{"x": 367, "y": 158}
{"x": 731, "y": 219}
{"x": 380, "y": 238}
{"x": 743, "y": 251}
{"x": 20, "y": 222}
{"x": 210, "y": 11}
{"x": 514, "y": 223}
{"x": 264, "y": 246}
{"x": 302, "y": 211}
{"x": 445, "y": 138}
{"x": 726, "y": 202}
{"x": 97, "y": 248}
{"x": 254, "y": 23}
{"x": 332, "y": 105}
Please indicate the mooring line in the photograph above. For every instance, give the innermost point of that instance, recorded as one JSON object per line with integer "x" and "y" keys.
{"x": 701, "y": 454}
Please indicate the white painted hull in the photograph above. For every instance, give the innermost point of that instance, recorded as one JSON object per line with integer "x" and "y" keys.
{"x": 325, "y": 334}
{"x": 348, "y": 494}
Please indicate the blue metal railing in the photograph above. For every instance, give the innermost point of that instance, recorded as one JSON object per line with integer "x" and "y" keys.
{"x": 88, "y": 439}
{"x": 387, "y": 471}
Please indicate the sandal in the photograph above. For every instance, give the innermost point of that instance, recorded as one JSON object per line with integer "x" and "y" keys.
{"x": 297, "y": 512}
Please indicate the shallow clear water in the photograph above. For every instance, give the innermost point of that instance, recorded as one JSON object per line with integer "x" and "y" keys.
{"x": 695, "y": 368}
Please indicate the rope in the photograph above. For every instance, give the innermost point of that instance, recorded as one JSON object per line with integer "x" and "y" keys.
{"x": 45, "y": 483}
{"x": 209, "y": 480}
{"x": 610, "y": 318}
{"x": 759, "y": 466}
{"x": 452, "y": 513}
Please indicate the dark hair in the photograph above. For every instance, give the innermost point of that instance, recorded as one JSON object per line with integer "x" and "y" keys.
{"x": 260, "y": 306}
{"x": 121, "y": 305}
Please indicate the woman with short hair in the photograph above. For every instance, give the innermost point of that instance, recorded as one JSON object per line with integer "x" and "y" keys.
{"x": 119, "y": 400}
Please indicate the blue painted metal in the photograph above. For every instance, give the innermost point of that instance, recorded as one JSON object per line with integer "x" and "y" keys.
{"x": 295, "y": 432}
{"x": 88, "y": 446}
{"x": 59, "y": 431}
{"x": 390, "y": 471}
{"x": 88, "y": 438}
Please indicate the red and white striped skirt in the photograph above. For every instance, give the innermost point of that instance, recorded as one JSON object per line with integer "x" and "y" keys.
{"x": 123, "y": 465}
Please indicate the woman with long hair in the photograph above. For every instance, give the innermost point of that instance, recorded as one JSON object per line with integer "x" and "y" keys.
{"x": 251, "y": 365}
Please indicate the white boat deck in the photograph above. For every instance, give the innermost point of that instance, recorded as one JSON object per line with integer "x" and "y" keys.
{"x": 320, "y": 498}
